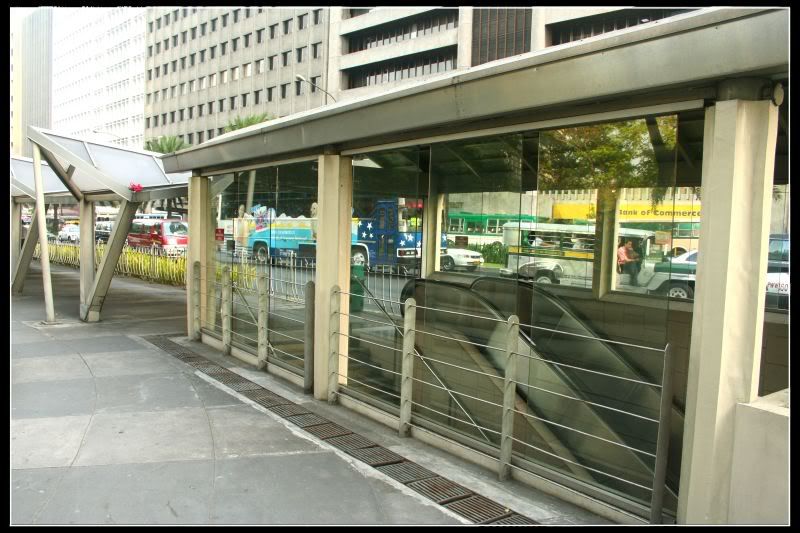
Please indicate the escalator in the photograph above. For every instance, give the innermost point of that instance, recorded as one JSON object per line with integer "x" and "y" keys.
{"x": 576, "y": 421}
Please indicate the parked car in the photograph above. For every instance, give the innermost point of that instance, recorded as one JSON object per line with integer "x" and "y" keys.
{"x": 102, "y": 231}
{"x": 170, "y": 236}
{"x": 539, "y": 270}
{"x": 70, "y": 233}
{"x": 460, "y": 258}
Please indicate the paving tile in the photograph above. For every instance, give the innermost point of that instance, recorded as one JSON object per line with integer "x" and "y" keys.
{"x": 40, "y": 349}
{"x": 149, "y": 392}
{"x": 146, "y": 437}
{"x": 30, "y": 489}
{"x": 46, "y": 442}
{"x": 130, "y": 362}
{"x": 52, "y": 398}
{"x": 51, "y": 368}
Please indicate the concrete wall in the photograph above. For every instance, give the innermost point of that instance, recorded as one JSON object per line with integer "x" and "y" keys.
{"x": 759, "y": 470}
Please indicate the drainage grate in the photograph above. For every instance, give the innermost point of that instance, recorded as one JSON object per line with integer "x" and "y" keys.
{"x": 304, "y": 421}
{"x": 375, "y": 456}
{"x": 215, "y": 371}
{"x": 514, "y": 520}
{"x": 479, "y": 509}
{"x": 440, "y": 490}
{"x": 289, "y": 410}
{"x": 351, "y": 442}
{"x": 269, "y": 401}
{"x": 406, "y": 472}
{"x": 326, "y": 431}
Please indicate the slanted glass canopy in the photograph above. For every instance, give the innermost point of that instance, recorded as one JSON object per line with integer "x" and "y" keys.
{"x": 22, "y": 179}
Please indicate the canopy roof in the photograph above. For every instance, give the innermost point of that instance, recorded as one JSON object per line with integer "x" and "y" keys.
{"x": 75, "y": 166}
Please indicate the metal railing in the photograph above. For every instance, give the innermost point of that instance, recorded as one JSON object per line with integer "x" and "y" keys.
{"x": 504, "y": 440}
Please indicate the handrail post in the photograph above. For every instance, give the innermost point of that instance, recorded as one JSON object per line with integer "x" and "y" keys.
{"x": 263, "y": 317}
{"x": 509, "y": 395}
{"x": 333, "y": 361}
{"x": 226, "y": 310}
{"x": 308, "y": 340}
{"x": 407, "y": 372}
{"x": 196, "y": 302}
{"x": 662, "y": 444}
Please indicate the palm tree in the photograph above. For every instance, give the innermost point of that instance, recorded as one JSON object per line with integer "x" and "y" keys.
{"x": 239, "y": 122}
{"x": 166, "y": 144}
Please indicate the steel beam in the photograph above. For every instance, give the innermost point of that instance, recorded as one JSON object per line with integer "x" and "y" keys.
{"x": 44, "y": 256}
{"x": 24, "y": 261}
{"x": 86, "y": 218}
{"x": 90, "y": 312}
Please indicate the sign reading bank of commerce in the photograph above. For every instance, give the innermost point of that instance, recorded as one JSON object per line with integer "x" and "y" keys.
{"x": 633, "y": 212}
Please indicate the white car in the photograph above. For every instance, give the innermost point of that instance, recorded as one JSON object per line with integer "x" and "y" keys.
{"x": 70, "y": 233}
{"x": 460, "y": 258}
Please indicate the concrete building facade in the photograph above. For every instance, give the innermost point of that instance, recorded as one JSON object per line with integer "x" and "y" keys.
{"x": 98, "y": 73}
{"x": 205, "y": 67}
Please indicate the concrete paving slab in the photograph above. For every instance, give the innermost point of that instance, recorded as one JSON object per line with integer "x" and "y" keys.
{"x": 147, "y": 437}
{"x": 108, "y": 343}
{"x": 52, "y": 398}
{"x": 152, "y": 493}
{"x": 150, "y": 392}
{"x": 46, "y": 442}
{"x": 30, "y": 489}
{"x": 126, "y": 363}
{"x": 211, "y": 396}
{"x": 318, "y": 488}
{"x": 244, "y": 431}
{"x": 45, "y": 348}
{"x": 50, "y": 368}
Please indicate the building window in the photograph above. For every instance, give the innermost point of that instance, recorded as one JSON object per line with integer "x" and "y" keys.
{"x": 213, "y": 25}
{"x": 173, "y": 91}
{"x": 203, "y": 29}
{"x": 184, "y": 88}
{"x": 302, "y": 21}
{"x": 175, "y": 40}
{"x": 247, "y": 40}
{"x": 585, "y": 27}
{"x": 212, "y": 79}
{"x": 315, "y": 82}
{"x": 185, "y": 12}
{"x": 248, "y": 70}
{"x": 166, "y": 44}
{"x": 194, "y": 32}
{"x": 191, "y": 59}
{"x": 220, "y": 131}
{"x": 301, "y": 52}
{"x": 223, "y": 48}
{"x": 223, "y": 76}
{"x": 236, "y": 15}
{"x": 183, "y": 62}
{"x": 175, "y": 15}
{"x": 284, "y": 89}
{"x": 224, "y": 20}
{"x": 210, "y": 134}
{"x": 270, "y": 90}
{"x": 287, "y": 26}
{"x": 183, "y": 36}
{"x": 158, "y": 23}
{"x": 199, "y": 137}
{"x": 213, "y": 52}
{"x": 157, "y": 70}
{"x": 244, "y": 100}
{"x": 259, "y": 66}
{"x": 158, "y": 48}
{"x": 202, "y": 56}
{"x": 150, "y": 27}
{"x": 221, "y": 105}
{"x": 191, "y": 111}
{"x": 180, "y": 114}
{"x": 166, "y": 19}
{"x": 260, "y": 36}
{"x": 247, "y": 12}
{"x": 155, "y": 121}
{"x": 150, "y": 51}
{"x": 149, "y": 74}
{"x": 273, "y": 30}
{"x": 203, "y": 82}
{"x": 315, "y": 50}
{"x": 234, "y": 44}
{"x": 257, "y": 97}
{"x": 317, "y": 16}
{"x": 233, "y": 103}
{"x": 298, "y": 88}
{"x": 175, "y": 65}
{"x": 191, "y": 86}
{"x": 235, "y": 73}
{"x": 285, "y": 58}
{"x": 190, "y": 138}
{"x": 147, "y": 122}
{"x": 272, "y": 62}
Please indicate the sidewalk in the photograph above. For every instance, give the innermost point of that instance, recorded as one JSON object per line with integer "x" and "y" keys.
{"x": 108, "y": 428}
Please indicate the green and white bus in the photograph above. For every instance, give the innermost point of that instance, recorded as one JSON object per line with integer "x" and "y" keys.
{"x": 481, "y": 228}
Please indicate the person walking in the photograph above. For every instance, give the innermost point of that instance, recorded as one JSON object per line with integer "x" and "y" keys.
{"x": 628, "y": 262}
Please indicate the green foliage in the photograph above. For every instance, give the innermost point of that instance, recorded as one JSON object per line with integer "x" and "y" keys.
{"x": 492, "y": 253}
{"x": 165, "y": 145}
{"x": 243, "y": 122}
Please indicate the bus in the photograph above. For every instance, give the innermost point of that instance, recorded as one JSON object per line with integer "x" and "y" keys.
{"x": 560, "y": 253}
{"x": 480, "y": 228}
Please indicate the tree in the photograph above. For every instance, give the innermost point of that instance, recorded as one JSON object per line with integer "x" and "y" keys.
{"x": 166, "y": 144}
{"x": 240, "y": 122}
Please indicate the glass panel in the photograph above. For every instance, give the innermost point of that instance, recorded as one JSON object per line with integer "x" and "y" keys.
{"x": 124, "y": 167}
{"x": 778, "y": 282}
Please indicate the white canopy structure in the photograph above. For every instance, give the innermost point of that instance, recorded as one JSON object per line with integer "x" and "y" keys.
{"x": 80, "y": 171}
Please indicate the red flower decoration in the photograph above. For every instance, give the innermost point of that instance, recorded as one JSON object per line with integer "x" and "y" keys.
{"x": 135, "y": 187}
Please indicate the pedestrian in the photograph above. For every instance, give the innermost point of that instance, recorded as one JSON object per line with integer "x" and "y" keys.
{"x": 630, "y": 265}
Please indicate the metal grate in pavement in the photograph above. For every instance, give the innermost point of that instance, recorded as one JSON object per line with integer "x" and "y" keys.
{"x": 351, "y": 441}
{"x": 375, "y": 456}
{"x": 289, "y": 409}
{"x": 440, "y": 490}
{"x": 479, "y": 509}
{"x": 326, "y": 431}
{"x": 458, "y": 499}
{"x": 406, "y": 471}
{"x": 307, "y": 420}
{"x": 514, "y": 520}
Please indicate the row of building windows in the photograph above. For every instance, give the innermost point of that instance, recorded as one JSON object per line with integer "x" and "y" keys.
{"x": 302, "y": 21}
{"x": 429, "y": 23}
{"x": 232, "y": 102}
{"x": 585, "y": 27}
{"x": 301, "y": 54}
{"x": 403, "y": 68}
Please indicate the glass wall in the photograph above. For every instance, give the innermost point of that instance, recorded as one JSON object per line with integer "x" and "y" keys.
{"x": 265, "y": 221}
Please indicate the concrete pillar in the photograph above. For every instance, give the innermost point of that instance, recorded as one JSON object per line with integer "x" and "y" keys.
{"x": 333, "y": 261}
{"x": 16, "y": 231}
{"x": 464, "y": 55}
{"x": 605, "y": 243}
{"x": 200, "y": 235}
{"x": 44, "y": 255}
{"x": 725, "y": 352}
{"x": 24, "y": 261}
{"x": 87, "y": 248}
{"x": 432, "y": 229}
